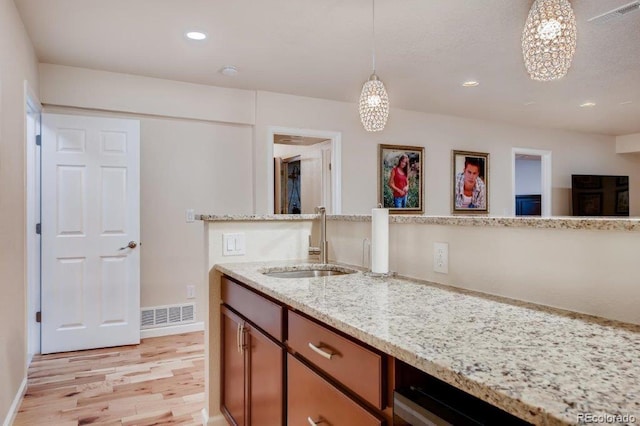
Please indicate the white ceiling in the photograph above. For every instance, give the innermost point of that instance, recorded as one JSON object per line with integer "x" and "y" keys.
{"x": 425, "y": 49}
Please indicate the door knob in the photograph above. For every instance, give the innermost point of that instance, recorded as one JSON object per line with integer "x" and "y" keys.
{"x": 131, "y": 245}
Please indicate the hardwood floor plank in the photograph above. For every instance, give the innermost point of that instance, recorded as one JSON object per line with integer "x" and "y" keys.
{"x": 159, "y": 382}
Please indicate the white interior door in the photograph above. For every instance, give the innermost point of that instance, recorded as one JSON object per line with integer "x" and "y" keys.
{"x": 90, "y": 214}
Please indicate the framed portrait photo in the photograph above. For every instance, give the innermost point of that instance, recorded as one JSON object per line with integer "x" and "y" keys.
{"x": 400, "y": 176}
{"x": 470, "y": 189}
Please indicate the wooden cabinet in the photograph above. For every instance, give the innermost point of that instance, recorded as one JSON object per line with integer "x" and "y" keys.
{"x": 352, "y": 364}
{"x": 233, "y": 378}
{"x": 252, "y": 376}
{"x": 326, "y": 378}
{"x": 266, "y": 379}
{"x": 264, "y": 313}
{"x": 313, "y": 400}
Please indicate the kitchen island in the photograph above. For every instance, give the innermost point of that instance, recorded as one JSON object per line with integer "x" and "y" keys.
{"x": 540, "y": 364}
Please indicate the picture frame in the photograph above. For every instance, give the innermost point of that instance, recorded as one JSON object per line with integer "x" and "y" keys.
{"x": 392, "y": 175}
{"x": 475, "y": 166}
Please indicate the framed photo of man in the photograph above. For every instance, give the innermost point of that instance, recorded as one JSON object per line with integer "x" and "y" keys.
{"x": 400, "y": 176}
{"x": 470, "y": 192}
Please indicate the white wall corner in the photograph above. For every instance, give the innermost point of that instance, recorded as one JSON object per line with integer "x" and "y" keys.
{"x": 217, "y": 420}
{"x": 628, "y": 143}
{"x": 15, "y": 406}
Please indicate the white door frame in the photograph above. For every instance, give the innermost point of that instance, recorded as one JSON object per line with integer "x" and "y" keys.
{"x": 545, "y": 173}
{"x": 32, "y": 155}
{"x": 336, "y": 162}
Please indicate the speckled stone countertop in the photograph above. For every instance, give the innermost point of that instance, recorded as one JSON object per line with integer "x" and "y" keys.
{"x": 559, "y": 222}
{"x": 543, "y": 365}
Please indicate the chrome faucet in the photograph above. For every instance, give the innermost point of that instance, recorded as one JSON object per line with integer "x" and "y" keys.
{"x": 323, "y": 244}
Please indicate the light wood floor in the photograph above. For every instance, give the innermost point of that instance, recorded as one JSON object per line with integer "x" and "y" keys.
{"x": 159, "y": 382}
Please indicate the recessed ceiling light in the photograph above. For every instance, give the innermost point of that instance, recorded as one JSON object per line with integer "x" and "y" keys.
{"x": 229, "y": 70}
{"x": 626, "y": 103}
{"x": 470, "y": 83}
{"x": 529, "y": 103}
{"x": 587, "y": 104}
{"x": 196, "y": 35}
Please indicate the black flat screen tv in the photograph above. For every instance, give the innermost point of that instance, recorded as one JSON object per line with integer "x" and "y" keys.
{"x": 599, "y": 195}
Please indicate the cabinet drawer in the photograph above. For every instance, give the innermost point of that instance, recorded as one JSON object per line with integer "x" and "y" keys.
{"x": 262, "y": 312}
{"x": 312, "y": 398}
{"x": 356, "y": 367}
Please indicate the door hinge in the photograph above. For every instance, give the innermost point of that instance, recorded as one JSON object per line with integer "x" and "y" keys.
{"x": 38, "y": 316}
{"x": 329, "y": 166}
{"x": 38, "y": 228}
{"x": 39, "y": 140}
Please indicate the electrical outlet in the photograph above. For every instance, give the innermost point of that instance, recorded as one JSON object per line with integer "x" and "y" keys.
{"x": 191, "y": 292}
{"x": 189, "y": 215}
{"x": 441, "y": 257}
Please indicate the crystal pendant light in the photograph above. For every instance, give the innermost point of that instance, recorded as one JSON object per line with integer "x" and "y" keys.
{"x": 549, "y": 39}
{"x": 374, "y": 102}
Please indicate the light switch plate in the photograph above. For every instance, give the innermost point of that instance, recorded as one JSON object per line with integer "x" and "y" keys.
{"x": 233, "y": 244}
{"x": 189, "y": 215}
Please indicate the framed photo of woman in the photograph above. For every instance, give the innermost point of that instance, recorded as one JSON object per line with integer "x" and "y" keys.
{"x": 400, "y": 176}
{"x": 470, "y": 192}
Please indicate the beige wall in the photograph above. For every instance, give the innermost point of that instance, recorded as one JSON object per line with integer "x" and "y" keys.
{"x": 571, "y": 152}
{"x": 176, "y": 123}
{"x": 628, "y": 143}
{"x": 17, "y": 63}
{"x": 195, "y": 153}
{"x": 101, "y": 90}
{"x": 265, "y": 241}
{"x": 184, "y": 164}
{"x": 589, "y": 271}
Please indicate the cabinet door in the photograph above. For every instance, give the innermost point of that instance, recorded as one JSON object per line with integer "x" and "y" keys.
{"x": 266, "y": 379}
{"x": 313, "y": 400}
{"x": 233, "y": 368}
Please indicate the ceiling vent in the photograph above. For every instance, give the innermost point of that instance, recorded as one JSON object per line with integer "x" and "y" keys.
{"x": 616, "y": 13}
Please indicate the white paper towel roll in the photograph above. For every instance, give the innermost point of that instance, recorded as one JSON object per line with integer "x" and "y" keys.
{"x": 380, "y": 241}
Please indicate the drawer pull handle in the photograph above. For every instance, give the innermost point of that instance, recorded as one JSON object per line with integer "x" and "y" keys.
{"x": 320, "y": 352}
{"x": 312, "y": 423}
{"x": 238, "y": 334}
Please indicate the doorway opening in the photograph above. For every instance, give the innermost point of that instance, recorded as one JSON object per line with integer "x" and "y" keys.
{"x": 531, "y": 186}
{"x": 304, "y": 171}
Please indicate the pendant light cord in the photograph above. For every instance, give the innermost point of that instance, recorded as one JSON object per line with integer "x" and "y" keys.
{"x": 373, "y": 26}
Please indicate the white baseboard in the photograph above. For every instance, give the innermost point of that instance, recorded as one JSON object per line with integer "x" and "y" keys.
{"x": 15, "y": 406}
{"x": 218, "y": 420}
{"x": 173, "y": 329}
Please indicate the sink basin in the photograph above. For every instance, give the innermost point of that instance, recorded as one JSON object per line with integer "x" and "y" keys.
{"x": 307, "y": 271}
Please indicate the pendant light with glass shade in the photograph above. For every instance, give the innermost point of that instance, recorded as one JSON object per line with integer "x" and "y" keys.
{"x": 549, "y": 39}
{"x": 374, "y": 102}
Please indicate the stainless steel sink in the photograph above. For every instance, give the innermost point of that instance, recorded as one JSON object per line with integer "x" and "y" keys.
{"x": 310, "y": 271}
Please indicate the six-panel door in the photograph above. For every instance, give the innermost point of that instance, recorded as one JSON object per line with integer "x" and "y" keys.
{"x": 90, "y": 214}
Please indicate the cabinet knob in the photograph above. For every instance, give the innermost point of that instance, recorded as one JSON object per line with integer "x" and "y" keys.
{"x": 313, "y": 423}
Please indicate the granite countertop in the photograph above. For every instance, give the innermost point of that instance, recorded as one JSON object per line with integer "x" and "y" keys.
{"x": 557, "y": 222}
{"x": 543, "y": 365}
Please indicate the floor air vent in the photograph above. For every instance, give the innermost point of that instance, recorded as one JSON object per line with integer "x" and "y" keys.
{"x": 161, "y": 316}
